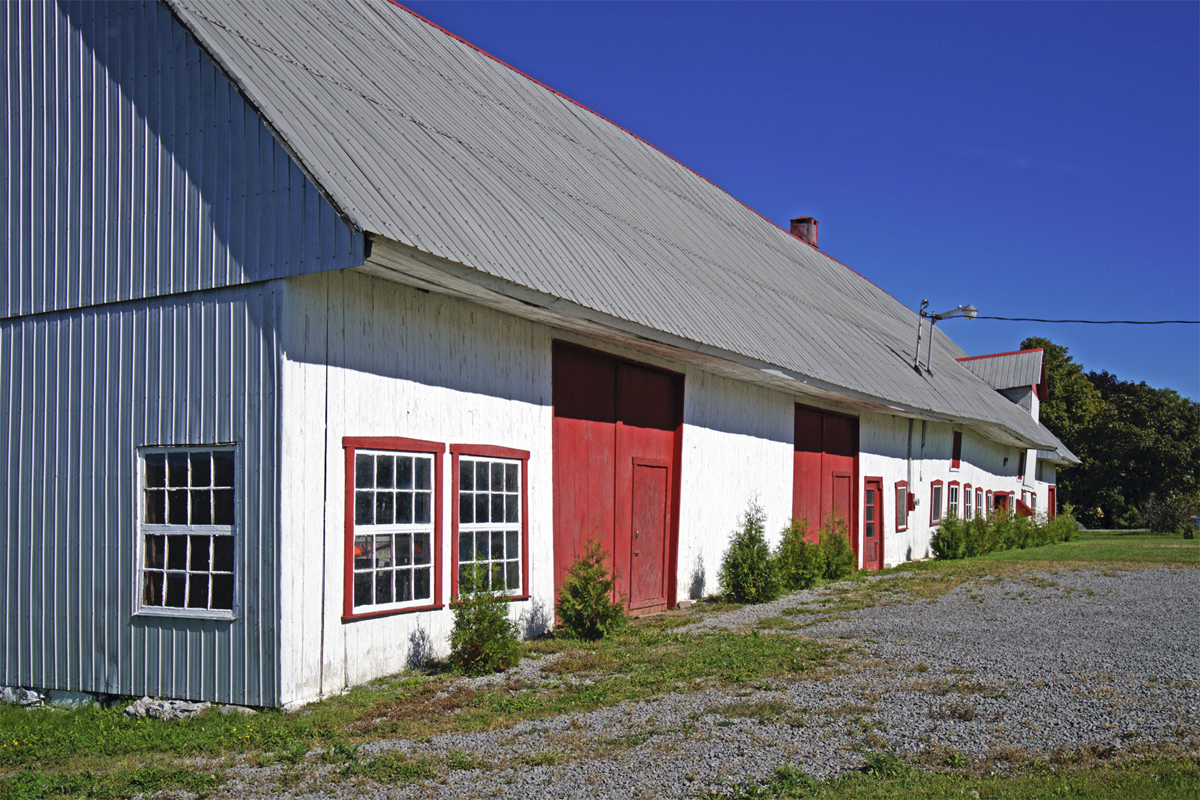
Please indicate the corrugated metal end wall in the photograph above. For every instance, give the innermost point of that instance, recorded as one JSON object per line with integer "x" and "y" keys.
{"x": 134, "y": 168}
{"x": 80, "y": 391}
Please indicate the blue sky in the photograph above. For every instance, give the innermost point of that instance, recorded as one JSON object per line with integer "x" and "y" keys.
{"x": 1034, "y": 159}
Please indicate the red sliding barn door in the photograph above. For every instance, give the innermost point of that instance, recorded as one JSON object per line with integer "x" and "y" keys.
{"x": 617, "y": 443}
{"x": 825, "y": 474}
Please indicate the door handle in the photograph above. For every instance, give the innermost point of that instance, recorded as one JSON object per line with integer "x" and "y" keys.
{"x": 637, "y": 552}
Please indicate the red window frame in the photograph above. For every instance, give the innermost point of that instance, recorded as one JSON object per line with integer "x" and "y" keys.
{"x": 956, "y": 451}
{"x": 989, "y": 508}
{"x": 902, "y": 505}
{"x": 935, "y": 490}
{"x": 490, "y": 451}
{"x": 951, "y": 487}
{"x": 352, "y": 444}
{"x": 1021, "y": 465}
{"x": 966, "y": 492}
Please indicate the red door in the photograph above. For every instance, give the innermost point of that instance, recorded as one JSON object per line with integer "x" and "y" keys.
{"x": 617, "y": 444}
{"x": 1051, "y": 501}
{"x": 873, "y": 524}
{"x": 585, "y": 434}
{"x": 648, "y": 537}
{"x": 825, "y": 469}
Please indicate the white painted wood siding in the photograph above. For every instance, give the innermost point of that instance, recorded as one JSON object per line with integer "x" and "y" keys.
{"x": 363, "y": 356}
{"x": 366, "y": 357}
{"x": 885, "y": 452}
{"x": 737, "y": 448}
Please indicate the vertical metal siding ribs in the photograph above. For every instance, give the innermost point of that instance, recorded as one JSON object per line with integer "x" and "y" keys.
{"x": 136, "y": 169}
{"x": 94, "y": 385}
{"x": 147, "y": 210}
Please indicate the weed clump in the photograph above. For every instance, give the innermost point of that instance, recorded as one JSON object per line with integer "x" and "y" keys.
{"x": 748, "y": 570}
{"x": 484, "y": 639}
{"x": 886, "y": 764}
{"x": 586, "y": 605}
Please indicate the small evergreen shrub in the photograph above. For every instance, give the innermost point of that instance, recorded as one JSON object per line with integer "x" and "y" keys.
{"x": 748, "y": 571}
{"x": 801, "y": 562}
{"x": 979, "y": 536}
{"x": 484, "y": 639}
{"x": 585, "y": 602}
{"x": 839, "y": 555}
{"x": 1023, "y": 530}
{"x": 1006, "y": 534}
{"x": 1062, "y": 528}
{"x": 954, "y": 539}
{"x": 985, "y": 534}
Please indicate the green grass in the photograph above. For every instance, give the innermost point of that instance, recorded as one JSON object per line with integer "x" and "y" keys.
{"x": 33, "y": 784}
{"x": 98, "y": 752}
{"x": 1111, "y": 547}
{"x": 889, "y": 778}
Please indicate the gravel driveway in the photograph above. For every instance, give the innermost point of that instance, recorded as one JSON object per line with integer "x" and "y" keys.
{"x": 998, "y": 669}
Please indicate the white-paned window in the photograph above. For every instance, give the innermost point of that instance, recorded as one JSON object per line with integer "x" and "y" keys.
{"x": 968, "y": 495}
{"x": 491, "y": 530}
{"x": 935, "y": 503}
{"x": 393, "y": 530}
{"x": 902, "y": 505}
{"x": 188, "y": 543}
{"x": 952, "y": 500}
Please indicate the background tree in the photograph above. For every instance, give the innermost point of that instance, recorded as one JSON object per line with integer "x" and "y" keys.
{"x": 1139, "y": 446}
{"x": 1144, "y": 443}
{"x": 1073, "y": 400}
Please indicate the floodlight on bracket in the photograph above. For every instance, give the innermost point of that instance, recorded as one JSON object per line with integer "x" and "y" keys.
{"x": 968, "y": 311}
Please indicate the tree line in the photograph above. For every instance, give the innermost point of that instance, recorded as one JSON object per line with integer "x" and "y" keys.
{"x": 1139, "y": 446}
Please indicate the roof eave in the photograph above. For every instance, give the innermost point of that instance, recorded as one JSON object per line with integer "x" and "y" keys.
{"x": 402, "y": 263}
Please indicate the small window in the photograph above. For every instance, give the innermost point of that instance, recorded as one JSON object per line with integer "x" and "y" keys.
{"x": 952, "y": 491}
{"x": 956, "y": 451}
{"x": 393, "y": 532}
{"x": 968, "y": 511}
{"x": 902, "y": 506}
{"x": 1021, "y": 465}
{"x": 188, "y": 523}
{"x": 980, "y": 508}
{"x": 490, "y": 524}
{"x": 935, "y": 503}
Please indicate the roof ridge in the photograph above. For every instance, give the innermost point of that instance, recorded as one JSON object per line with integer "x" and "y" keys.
{"x": 998, "y": 355}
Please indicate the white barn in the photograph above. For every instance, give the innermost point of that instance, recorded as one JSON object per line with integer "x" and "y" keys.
{"x": 307, "y": 307}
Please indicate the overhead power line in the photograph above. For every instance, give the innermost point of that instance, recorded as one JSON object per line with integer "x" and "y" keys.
{"x": 1101, "y": 321}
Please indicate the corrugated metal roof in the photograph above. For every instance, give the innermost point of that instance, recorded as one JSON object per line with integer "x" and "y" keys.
{"x": 422, "y": 139}
{"x": 1007, "y": 370}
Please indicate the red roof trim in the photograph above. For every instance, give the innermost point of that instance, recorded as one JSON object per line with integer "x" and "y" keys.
{"x": 997, "y": 355}
{"x": 502, "y": 62}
